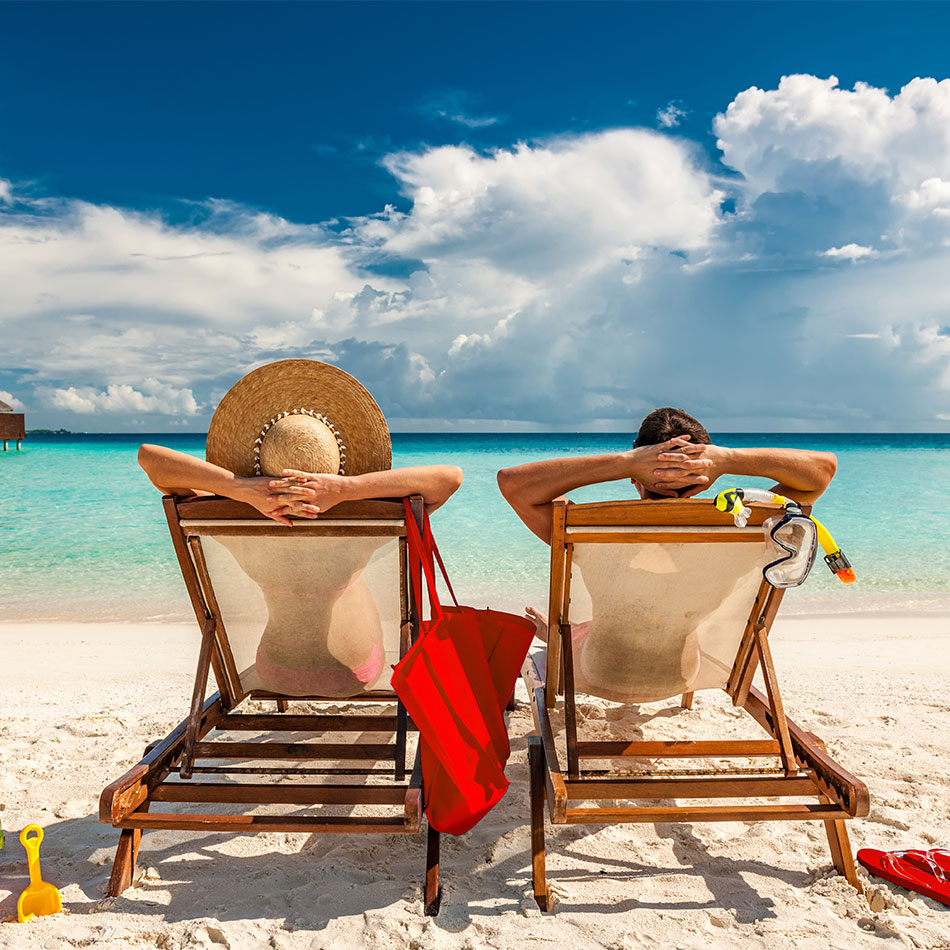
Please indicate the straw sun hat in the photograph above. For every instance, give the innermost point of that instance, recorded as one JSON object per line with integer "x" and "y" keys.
{"x": 300, "y": 414}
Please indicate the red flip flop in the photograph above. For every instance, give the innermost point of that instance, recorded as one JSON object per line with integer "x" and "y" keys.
{"x": 926, "y": 872}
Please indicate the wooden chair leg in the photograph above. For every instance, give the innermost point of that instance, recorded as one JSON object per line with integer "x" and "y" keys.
{"x": 511, "y": 705}
{"x": 841, "y": 854}
{"x": 282, "y": 705}
{"x": 687, "y": 701}
{"x": 124, "y": 865}
{"x": 433, "y": 892}
{"x": 542, "y": 893}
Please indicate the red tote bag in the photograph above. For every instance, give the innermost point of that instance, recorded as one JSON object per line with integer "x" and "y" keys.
{"x": 454, "y": 682}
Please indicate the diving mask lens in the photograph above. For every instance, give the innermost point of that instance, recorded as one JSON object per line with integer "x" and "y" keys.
{"x": 793, "y": 538}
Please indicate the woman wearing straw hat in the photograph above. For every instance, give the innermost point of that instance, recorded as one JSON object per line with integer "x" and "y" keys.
{"x": 293, "y": 439}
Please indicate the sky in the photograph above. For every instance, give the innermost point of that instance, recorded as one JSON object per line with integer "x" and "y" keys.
{"x": 498, "y": 216}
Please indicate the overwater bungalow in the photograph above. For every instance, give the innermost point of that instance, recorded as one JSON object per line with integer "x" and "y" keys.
{"x": 12, "y": 426}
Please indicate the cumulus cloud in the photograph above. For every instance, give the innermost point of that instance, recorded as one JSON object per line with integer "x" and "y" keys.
{"x": 574, "y": 282}
{"x": 11, "y": 400}
{"x": 154, "y": 397}
{"x": 858, "y": 160}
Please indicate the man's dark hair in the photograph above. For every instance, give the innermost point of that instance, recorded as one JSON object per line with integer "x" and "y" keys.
{"x": 663, "y": 424}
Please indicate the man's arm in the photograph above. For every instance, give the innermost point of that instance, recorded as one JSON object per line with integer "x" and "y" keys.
{"x": 800, "y": 474}
{"x": 532, "y": 488}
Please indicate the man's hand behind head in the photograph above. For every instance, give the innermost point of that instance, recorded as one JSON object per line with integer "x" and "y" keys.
{"x": 672, "y": 469}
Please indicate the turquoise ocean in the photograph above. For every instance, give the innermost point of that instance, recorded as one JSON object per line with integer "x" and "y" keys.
{"x": 83, "y": 535}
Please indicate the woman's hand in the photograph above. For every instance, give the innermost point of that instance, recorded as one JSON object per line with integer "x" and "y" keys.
{"x": 309, "y": 492}
{"x": 278, "y": 498}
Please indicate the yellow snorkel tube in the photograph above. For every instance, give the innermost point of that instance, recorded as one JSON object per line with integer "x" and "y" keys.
{"x": 732, "y": 501}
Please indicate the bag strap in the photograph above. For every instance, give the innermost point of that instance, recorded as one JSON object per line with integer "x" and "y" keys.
{"x": 433, "y": 548}
{"x": 417, "y": 556}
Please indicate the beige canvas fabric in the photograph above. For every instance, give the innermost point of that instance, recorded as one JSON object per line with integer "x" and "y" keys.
{"x": 309, "y": 616}
{"x": 655, "y": 620}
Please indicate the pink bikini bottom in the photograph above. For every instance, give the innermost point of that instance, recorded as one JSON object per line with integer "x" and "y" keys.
{"x": 339, "y": 682}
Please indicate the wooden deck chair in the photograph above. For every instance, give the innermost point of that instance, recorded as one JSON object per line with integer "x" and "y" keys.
{"x": 263, "y": 595}
{"x": 677, "y": 603}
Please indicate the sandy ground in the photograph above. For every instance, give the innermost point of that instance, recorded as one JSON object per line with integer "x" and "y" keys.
{"x": 80, "y": 701}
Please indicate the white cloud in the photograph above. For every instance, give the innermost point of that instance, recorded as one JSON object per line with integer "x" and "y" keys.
{"x": 6, "y": 191}
{"x": 572, "y": 283}
{"x": 861, "y": 158}
{"x": 11, "y": 400}
{"x": 670, "y": 115}
{"x": 154, "y": 397}
{"x": 851, "y": 252}
{"x": 573, "y": 202}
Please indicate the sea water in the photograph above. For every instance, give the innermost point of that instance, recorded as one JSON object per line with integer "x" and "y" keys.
{"x": 83, "y": 534}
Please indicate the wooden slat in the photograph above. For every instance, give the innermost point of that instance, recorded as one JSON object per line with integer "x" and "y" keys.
{"x": 222, "y": 643}
{"x": 769, "y": 613}
{"x": 677, "y": 748}
{"x": 314, "y": 824}
{"x": 747, "y": 643}
{"x": 697, "y": 813}
{"x": 282, "y": 794}
{"x": 214, "y": 506}
{"x": 578, "y": 536}
{"x": 779, "y": 720}
{"x": 265, "y": 722}
{"x": 711, "y": 787}
{"x": 841, "y": 785}
{"x": 667, "y": 511}
{"x": 560, "y": 582}
{"x": 229, "y": 687}
{"x": 301, "y": 528}
{"x": 295, "y": 750}
{"x": 555, "y": 791}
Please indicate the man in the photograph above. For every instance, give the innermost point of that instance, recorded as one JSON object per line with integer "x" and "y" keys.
{"x": 671, "y": 457}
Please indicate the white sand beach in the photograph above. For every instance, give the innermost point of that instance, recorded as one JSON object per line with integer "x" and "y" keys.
{"x": 80, "y": 701}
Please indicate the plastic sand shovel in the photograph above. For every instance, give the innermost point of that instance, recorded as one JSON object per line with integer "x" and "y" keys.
{"x": 40, "y": 898}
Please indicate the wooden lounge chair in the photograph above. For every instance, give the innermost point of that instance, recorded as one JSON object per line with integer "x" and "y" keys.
{"x": 678, "y": 604}
{"x": 221, "y": 545}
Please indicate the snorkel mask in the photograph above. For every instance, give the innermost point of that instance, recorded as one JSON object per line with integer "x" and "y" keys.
{"x": 793, "y": 537}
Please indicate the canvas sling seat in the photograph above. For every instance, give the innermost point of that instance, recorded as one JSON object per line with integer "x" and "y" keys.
{"x": 315, "y": 615}
{"x": 667, "y": 598}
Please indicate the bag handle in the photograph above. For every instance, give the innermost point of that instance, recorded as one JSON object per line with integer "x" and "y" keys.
{"x": 433, "y": 548}
{"x": 417, "y": 556}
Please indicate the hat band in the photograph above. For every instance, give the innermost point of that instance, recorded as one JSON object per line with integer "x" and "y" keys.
{"x": 319, "y": 416}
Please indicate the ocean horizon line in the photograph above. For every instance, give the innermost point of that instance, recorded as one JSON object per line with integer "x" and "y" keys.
{"x": 539, "y": 432}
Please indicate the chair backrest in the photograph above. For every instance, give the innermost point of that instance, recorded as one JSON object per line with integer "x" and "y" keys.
{"x": 317, "y": 610}
{"x": 660, "y": 593}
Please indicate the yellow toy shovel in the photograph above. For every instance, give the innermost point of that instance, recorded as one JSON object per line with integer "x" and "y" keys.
{"x": 40, "y": 898}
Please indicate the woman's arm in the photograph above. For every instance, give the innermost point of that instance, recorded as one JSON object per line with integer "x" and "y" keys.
{"x": 297, "y": 494}
{"x": 436, "y": 484}
{"x": 176, "y": 473}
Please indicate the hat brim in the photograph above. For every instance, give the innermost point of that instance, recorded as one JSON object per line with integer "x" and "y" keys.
{"x": 256, "y": 399}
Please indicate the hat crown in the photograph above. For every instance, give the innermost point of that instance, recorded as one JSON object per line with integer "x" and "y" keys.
{"x": 303, "y": 442}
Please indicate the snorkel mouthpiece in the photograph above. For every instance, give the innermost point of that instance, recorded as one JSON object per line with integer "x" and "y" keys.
{"x": 731, "y": 503}
{"x": 841, "y": 567}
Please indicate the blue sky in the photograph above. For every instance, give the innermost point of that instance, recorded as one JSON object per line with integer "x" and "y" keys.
{"x": 540, "y": 215}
